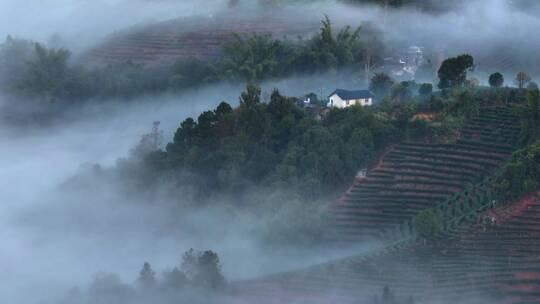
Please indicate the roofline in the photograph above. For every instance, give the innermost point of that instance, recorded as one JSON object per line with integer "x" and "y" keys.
{"x": 335, "y": 92}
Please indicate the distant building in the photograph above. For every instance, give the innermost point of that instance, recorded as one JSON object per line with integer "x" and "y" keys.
{"x": 310, "y": 99}
{"x": 362, "y": 173}
{"x": 344, "y": 98}
{"x": 404, "y": 64}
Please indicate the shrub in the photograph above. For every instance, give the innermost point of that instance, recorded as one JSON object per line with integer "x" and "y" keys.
{"x": 522, "y": 174}
{"x": 428, "y": 224}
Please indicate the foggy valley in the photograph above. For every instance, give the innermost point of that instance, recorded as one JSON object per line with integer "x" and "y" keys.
{"x": 374, "y": 152}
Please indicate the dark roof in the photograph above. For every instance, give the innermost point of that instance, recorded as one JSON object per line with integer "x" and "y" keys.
{"x": 349, "y": 95}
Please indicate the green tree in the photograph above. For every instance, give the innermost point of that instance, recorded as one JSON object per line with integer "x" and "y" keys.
{"x": 435, "y": 104}
{"x": 316, "y": 155}
{"x": 203, "y": 269}
{"x": 522, "y": 173}
{"x": 253, "y": 120}
{"x": 251, "y": 96}
{"x": 362, "y": 145}
{"x": 400, "y": 93}
{"x": 380, "y": 85}
{"x": 46, "y": 74}
{"x": 530, "y": 119}
{"x": 428, "y": 224}
{"x": 329, "y": 52}
{"x": 191, "y": 72}
{"x": 284, "y": 115}
{"x": 496, "y": 80}
{"x": 175, "y": 278}
{"x": 184, "y": 137}
{"x": 425, "y": 89}
{"x": 14, "y": 55}
{"x": 210, "y": 270}
{"x": 463, "y": 105}
{"x": 206, "y": 128}
{"x": 323, "y": 49}
{"x": 223, "y": 109}
{"x": 453, "y": 71}
{"x": 255, "y": 57}
{"x": 147, "y": 276}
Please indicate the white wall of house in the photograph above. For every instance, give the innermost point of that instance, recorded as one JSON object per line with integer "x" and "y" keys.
{"x": 365, "y": 102}
{"x": 336, "y": 101}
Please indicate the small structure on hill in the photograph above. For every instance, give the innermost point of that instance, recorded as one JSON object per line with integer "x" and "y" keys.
{"x": 362, "y": 173}
{"x": 405, "y": 63}
{"x": 345, "y": 98}
{"x": 313, "y": 106}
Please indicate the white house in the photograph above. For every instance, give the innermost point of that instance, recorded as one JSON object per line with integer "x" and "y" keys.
{"x": 345, "y": 98}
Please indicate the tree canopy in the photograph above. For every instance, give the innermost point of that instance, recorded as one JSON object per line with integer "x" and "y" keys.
{"x": 203, "y": 269}
{"x": 381, "y": 84}
{"x": 275, "y": 141}
{"x": 453, "y": 71}
{"x": 428, "y": 224}
{"x": 530, "y": 119}
{"x": 522, "y": 174}
{"x": 496, "y": 80}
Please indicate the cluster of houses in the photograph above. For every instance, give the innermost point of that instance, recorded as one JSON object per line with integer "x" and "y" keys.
{"x": 338, "y": 99}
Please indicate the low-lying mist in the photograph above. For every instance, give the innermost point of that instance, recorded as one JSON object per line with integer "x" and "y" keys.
{"x": 496, "y": 33}
{"x": 58, "y": 232}
{"x": 81, "y": 23}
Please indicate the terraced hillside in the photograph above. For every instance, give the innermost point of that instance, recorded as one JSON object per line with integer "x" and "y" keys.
{"x": 494, "y": 261}
{"x": 414, "y": 176}
{"x": 201, "y": 37}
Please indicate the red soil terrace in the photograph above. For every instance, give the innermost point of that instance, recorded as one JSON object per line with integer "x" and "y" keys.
{"x": 414, "y": 176}
{"x": 494, "y": 263}
{"x": 199, "y": 37}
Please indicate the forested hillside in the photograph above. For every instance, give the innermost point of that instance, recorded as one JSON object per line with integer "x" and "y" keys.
{"x": 444, "y": 171}
{"x": 36, "y": 72}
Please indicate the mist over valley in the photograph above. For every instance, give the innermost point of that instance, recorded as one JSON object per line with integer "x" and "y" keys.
{"x": 377, "y": 152}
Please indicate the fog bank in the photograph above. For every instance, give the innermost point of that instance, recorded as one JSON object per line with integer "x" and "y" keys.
{"x": 57, "y": 237}
{"x": 81, "y": 23}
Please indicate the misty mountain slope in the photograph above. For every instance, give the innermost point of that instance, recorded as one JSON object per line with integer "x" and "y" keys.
{"x": 199, "y": 37}
{"x": 498, "y": 35}
{"x": 414, "y": 176}
{"x": 493, "y": 261}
